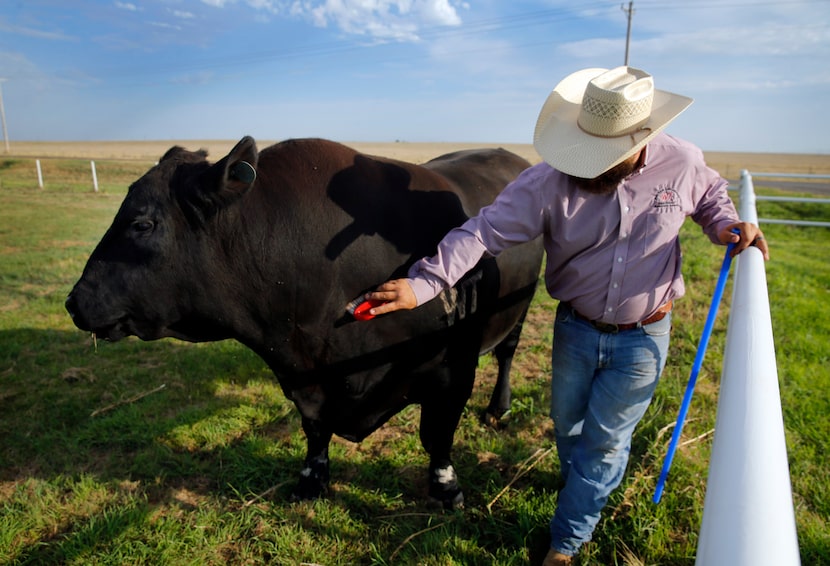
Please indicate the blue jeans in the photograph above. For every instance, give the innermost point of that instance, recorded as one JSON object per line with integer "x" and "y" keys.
{"x": 601, "y": 386}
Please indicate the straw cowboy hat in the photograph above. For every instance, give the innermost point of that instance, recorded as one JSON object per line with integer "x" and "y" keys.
{"x": 596, "y": 118}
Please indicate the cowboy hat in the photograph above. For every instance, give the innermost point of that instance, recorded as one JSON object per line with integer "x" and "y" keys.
{"x": 597, "y": 118}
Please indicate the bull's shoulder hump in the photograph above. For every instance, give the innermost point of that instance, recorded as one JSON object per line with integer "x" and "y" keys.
{"x": 324, "y": 150}
{"x": 310, "y": 145}
{"x": 478, "y": 156}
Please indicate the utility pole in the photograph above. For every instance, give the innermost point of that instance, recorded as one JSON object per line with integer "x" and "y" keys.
{"x": 3, "y": 117}
{"x": 629, "y": 12}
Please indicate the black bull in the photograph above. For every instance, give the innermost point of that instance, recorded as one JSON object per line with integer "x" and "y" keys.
{"x": 268, "y": 248}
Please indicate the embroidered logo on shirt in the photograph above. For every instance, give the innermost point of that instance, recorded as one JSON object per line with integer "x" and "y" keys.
{"x": 666, "y": 198}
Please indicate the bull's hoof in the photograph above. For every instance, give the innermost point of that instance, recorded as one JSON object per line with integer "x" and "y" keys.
{"x": 313, "y": 483}
{"x": 444, "y": 491}
{"x": 305, "y": 491}
{"x": 493, "y": 419}
{"x": 446, "y": 502}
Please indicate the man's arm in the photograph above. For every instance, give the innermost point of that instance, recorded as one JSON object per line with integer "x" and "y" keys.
{"x": 515, "y": 216}
{"x": 457, "y": 253}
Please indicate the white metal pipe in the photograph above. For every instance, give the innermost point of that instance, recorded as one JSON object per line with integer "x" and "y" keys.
{"x": 814, "y": 223}
{"x": 791, "y": 175}
{"x": 748, "y": 199}
{"x": 746, "y": 204}
{"x": 748, "y": 516}
{"x": 805, "y": 200}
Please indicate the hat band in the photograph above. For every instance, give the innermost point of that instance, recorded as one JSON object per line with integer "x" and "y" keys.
{"x": 612, "y": 119}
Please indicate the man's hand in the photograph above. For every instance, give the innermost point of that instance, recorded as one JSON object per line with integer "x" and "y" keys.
{"x": 750, "y": 235}
{"x": 395, "y": 294}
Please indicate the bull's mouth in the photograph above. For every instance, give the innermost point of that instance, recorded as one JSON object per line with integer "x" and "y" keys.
{"x": 112, "y": 326}
{"x": 116, "y": 326}
{"x": 112, "y": 333}
{"x": 125, "y": 327}
{"x": 120, "y": 329}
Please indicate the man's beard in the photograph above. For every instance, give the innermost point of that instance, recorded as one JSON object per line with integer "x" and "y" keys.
{"x": 608, "y": 182}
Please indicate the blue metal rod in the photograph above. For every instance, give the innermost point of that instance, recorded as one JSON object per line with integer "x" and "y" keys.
{"x": 690, "y": 387}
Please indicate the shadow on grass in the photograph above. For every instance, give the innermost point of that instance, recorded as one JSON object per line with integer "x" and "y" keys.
{"x": 67, "y": 407}
{"x": 219, "y": 429}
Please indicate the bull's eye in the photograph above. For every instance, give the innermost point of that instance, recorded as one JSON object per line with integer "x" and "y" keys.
{"x": 142, "y": 226}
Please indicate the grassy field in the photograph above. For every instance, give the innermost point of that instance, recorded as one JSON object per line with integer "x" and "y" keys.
{"x": 174, "y": 453}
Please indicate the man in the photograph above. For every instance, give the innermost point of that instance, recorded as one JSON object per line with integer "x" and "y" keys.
{"x": 609, "y": 200}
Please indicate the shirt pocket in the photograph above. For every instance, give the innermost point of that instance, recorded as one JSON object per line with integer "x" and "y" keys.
{"x": 662, "y": 227}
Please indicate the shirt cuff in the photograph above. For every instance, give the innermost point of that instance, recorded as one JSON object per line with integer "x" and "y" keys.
{"x": 425, "y": 288}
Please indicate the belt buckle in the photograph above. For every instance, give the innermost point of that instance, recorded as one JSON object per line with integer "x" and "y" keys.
{"x": 606, "y": 327}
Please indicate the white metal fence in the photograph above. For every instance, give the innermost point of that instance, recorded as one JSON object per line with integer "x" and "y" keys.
{"x": 747, "y": 195}
{"x": 748, "y": 512}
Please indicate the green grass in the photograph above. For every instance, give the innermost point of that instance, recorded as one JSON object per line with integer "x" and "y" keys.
{"x": 199, "y": 469}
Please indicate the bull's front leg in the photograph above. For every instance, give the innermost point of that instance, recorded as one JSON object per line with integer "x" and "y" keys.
{"x": 440, "y": 415}
{"x": 314, "y": 477}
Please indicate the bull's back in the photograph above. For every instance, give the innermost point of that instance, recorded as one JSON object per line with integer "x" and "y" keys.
{"x": 478, "y": 174}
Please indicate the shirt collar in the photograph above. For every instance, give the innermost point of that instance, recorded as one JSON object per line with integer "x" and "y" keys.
{"x": 645, "y": 159}
{"x": 639, "y": 170}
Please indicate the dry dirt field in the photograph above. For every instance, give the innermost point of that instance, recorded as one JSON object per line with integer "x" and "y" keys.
{"x": 728, "y": 164}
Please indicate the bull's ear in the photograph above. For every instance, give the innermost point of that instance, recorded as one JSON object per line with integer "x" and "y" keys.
{"x": 180, "y": 153}
{"x": 239, "y": 168}
{"x": 214, "y": 187}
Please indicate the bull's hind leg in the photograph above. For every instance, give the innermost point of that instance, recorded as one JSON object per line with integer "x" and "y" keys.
{"x": 499, "y": 405}
{"x": 314, "y": 477}
{"x": 440, "y": 414}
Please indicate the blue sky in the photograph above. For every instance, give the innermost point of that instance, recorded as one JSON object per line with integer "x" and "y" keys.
{"x": 410, "y": 70}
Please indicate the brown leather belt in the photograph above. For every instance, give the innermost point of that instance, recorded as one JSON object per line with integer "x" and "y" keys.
{"x": 659, "y": 315}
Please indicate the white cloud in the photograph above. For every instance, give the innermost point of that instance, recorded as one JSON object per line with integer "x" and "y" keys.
{"x": 398, "y": 20}
{"x": 439, "y": 12}
{"x": 129, "y": 6}
{"x": 269, "y": 6}
{"x": 764, "y": 39}
{"x": 264, "y": 5}
{"x": 166, "y": 26}
{"x": 183, "y": 15}
{"x": 33, "y": 33}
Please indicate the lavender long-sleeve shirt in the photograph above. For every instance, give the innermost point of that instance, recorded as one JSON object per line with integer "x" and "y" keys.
{"x": 615, "y": 258}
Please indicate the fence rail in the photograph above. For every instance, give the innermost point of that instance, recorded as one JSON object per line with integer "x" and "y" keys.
{"x": 747, "y": 195}
{"x": 748, "y": 512}
{"x": 767, "y": 175}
